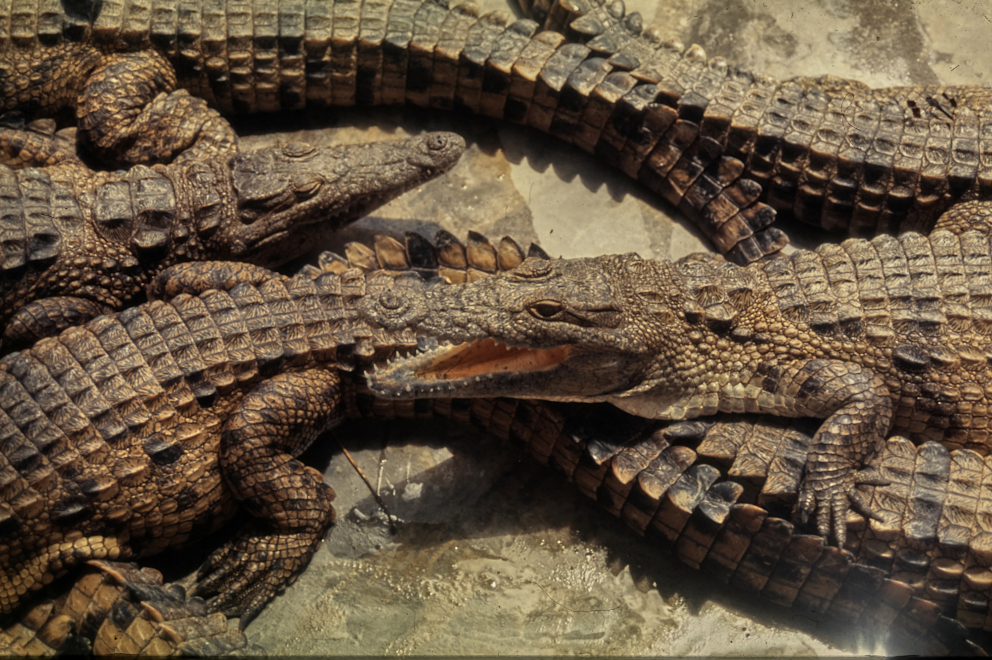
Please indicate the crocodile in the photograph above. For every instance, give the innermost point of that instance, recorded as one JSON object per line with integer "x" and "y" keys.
{"x": 76, "y": 243}
{"x": 868, "y": 336}
{"x": 145, "y": 429}
{"x": 550, "y": 433}
{"x": 116, "y": 608}
{"x": 828, "y": 151}
{"x": 717, "y": 494}
{"x": 724, "y": 145}
{"x": 682, "y": 484}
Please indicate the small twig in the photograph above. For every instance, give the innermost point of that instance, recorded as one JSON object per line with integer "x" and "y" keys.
{"x": 379, "y": 500}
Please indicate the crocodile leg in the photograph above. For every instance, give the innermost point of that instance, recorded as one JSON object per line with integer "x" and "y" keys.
{"x": 857, "y": 410}
{"x": 34, "y": 144}
{"x": 974, "y": 215}
{"x": 48, "y": 317}
{"x": 276, "y": 421}
{"x": 131, "y": 113}
{"x": 195, "y": 277}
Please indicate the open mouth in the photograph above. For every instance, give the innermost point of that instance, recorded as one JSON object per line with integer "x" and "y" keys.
{"x": 446, "y": 370}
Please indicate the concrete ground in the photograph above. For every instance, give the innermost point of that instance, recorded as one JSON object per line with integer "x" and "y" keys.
{"x": 495, "y": 555}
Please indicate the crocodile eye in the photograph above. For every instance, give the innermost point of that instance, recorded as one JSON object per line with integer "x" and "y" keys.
{"x": 390, "y": 301}
{"x": 546, "y": 310}
{"x": 652, "y": 297}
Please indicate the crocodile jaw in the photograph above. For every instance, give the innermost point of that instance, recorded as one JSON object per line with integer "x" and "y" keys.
{"x": 490, "y": 368}
{"x": 289, "y": 198}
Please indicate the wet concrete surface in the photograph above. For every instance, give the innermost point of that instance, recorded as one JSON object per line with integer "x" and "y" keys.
{"x": 495, "y": 555}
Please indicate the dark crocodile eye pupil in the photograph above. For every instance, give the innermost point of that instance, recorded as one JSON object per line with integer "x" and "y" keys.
{"x": 546, "y": 311}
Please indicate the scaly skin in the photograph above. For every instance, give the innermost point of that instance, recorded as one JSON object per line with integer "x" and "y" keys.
{"x": 828, "y": 151}
{"x": 630, "y": 477}
{"x": 78, "y": 243}
{"x": 722, "y": 505}
{"x": 704, "y": 135}
{"x": 146, "y": 429}
{"x": 868, "y": 336}
{"x": 118, "y": 608}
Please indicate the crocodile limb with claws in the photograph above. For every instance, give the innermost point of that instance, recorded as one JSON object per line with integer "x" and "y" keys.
{"x": 143, "y": 430}
{"x": 870, "y": 336}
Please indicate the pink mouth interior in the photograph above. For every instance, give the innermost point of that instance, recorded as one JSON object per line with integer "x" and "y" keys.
{"x": 489, "y": 357}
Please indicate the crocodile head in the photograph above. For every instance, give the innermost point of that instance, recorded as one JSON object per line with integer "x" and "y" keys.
{"x": 597, "y": 329}
{"x": 287, "y": 198}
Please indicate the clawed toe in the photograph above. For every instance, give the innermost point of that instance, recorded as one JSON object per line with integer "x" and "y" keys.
{"x": 829, "y": 505}
{"x": 240, "y": 578}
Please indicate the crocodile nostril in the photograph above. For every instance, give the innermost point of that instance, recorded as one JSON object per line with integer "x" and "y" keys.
{"x": 437, "y": 142}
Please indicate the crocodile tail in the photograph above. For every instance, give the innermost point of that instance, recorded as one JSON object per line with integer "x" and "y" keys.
{"x": 682, "y": 503}
{"x": 732, "y": 521}
{"x": 446, "y": 256}
{"x": 118, "y": 608}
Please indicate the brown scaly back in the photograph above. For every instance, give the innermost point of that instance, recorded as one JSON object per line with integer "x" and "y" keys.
{"x": 717, "y": 494}
{"x": 77, "y": 243}
{"x": 142, "y": 430}
{"x": 115, "y": 608}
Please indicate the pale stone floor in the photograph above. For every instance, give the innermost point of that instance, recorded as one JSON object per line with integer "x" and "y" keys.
{"x": 496, "y": 555}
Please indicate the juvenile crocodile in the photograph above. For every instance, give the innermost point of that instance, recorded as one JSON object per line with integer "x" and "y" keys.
{"x": 682, "y": 485}
{"x": 551, "y": 434}
{"x": 742, "y": 473}
{"x": 868, "y": 336}
{"x": 145, "y": 429}
{"x": 832, "y": 152}
{"x": 75, "y": 243}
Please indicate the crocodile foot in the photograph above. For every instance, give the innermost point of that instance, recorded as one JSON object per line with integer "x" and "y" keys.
{"x": 242, "y": 576}
{"x": 828, "y": 499}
